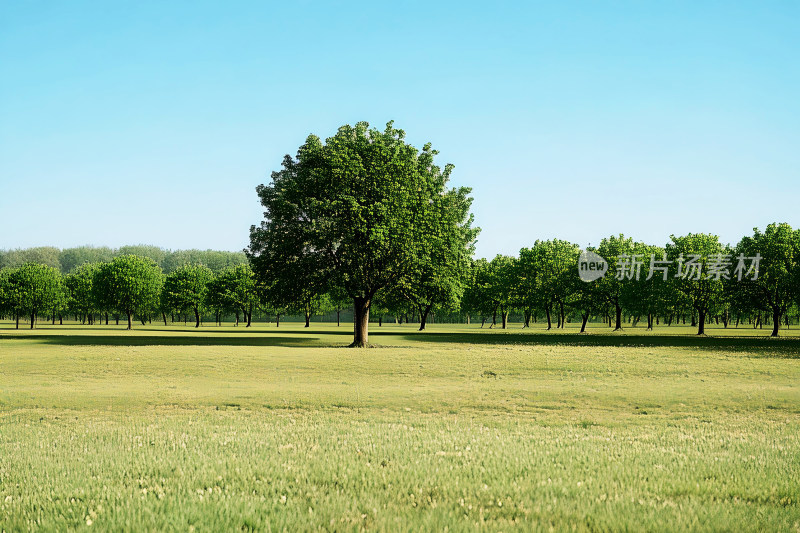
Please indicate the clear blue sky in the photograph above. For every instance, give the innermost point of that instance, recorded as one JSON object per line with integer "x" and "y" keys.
{"x": 152, "y": 122}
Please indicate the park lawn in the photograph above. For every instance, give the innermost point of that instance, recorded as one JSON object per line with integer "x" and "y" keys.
{"x": 171, "y": 428}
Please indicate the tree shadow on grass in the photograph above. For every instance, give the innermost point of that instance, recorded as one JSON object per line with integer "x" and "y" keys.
{"x": 168, "y": 340}
{"x": 766, "y": 346}
{"x": 781, "y": 347}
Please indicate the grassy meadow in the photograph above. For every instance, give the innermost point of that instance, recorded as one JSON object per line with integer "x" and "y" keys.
{"x": 456, "y": 428}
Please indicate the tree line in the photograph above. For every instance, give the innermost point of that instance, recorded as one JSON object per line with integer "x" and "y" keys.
{"x": 68, "y": 259}
{"x": 647, "y": 284}
{"x": 694, "y": 277}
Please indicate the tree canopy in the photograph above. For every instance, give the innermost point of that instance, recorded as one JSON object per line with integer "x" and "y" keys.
{"x": 361, "y": 211}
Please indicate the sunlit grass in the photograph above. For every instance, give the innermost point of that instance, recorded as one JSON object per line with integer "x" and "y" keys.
{"x": 236, "y": 429}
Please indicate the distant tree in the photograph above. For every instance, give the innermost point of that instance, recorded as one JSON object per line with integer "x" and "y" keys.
{"x": 358, "y": 209}
{"x": 130, "y": 284}
{"x": 477, "y": 300}
{"x": 501, "y": 286}
{"x": 186, "y": 288}
{"x": 43, "y": 255}
{"x": 214, "y": 259}
{"x": 235, "y": 289}
{"x": 144, "y": 250}
{"x": 441, "y": 266}
{"x": 10, "y": 295}
{"x": 338, "y": 301}
{"x": 615, "y": 249}
{"x": 72, "y": 258}
{"x": 33, "y": 289}
{"x": 694, "y": 255}
{"x": 82, "y": 296}
{"x": 548, "y": 275}
{"x": 777, "y": 286}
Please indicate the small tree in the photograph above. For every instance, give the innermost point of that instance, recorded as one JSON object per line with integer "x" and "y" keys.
{"x": 185, "y": 289}
{"x": 235, "y": 290}
{"x": 32, "y": 289}
{"x": 694, "y": 254}
{"x": 776, "y": 287}
{"x": 130, "y": 284}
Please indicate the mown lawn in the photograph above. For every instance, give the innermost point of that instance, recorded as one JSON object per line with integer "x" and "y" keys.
{"x": 285, "y": 429}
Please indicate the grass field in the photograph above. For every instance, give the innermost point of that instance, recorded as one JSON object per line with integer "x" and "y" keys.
{"x": 271, "y": 429}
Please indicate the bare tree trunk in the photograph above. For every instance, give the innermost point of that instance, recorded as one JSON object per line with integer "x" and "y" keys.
{"x": 504, "y": 315}
{"x": 33, "y": 319}
{"x": 423, "y": 314}
{"x": 196, "y": 318}
{"x": 701, "y": 322}
{"x": 584, "y": 320}
{"x": 549, "y": 320}
{"x": 776, "y": 322}
{"x": 361, "y": 322}
{"x": 618, "y": 325}
{"x": 130, "y": 319}
{"x": 308, "y": 320}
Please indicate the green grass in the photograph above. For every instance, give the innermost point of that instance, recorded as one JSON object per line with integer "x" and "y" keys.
{"x": 285, "y": 429}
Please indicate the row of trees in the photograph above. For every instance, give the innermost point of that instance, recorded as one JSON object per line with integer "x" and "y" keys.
{"x": 693, "y": 276}
{"x": 128, "y": 286}
{"x": 68, "y": 259}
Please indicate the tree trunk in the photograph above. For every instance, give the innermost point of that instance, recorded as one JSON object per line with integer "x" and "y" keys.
{"x": 17, "y": 317}
{"x": 562, "y": 315}
{"x": 776, "y": 322}
{"x": 196, "y": 318}
{"x": 361, "y": 322}
{"x": 549, "y": 320}
{"x": 249, "y": 313}
{"x": 164, "y": 316}
{"x": 584, "y": 320}
{"x": 618, "y": 325}
{"x": 130, "y": 319}
{"x": 33, "y": 319}
{"x": 278, "y": 320}
{"x": 527, "y": 322}
{"x": 308, "y": 320}
{"x": 701, "y": 322}
{"x": 423, "y": 316}
{"x": 338, "y": 322}
{"x": 504, "y": 315}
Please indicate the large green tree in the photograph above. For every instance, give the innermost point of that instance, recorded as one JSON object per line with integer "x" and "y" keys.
{"x": 130, "y": 284}
{"x": 358, "y": 209}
